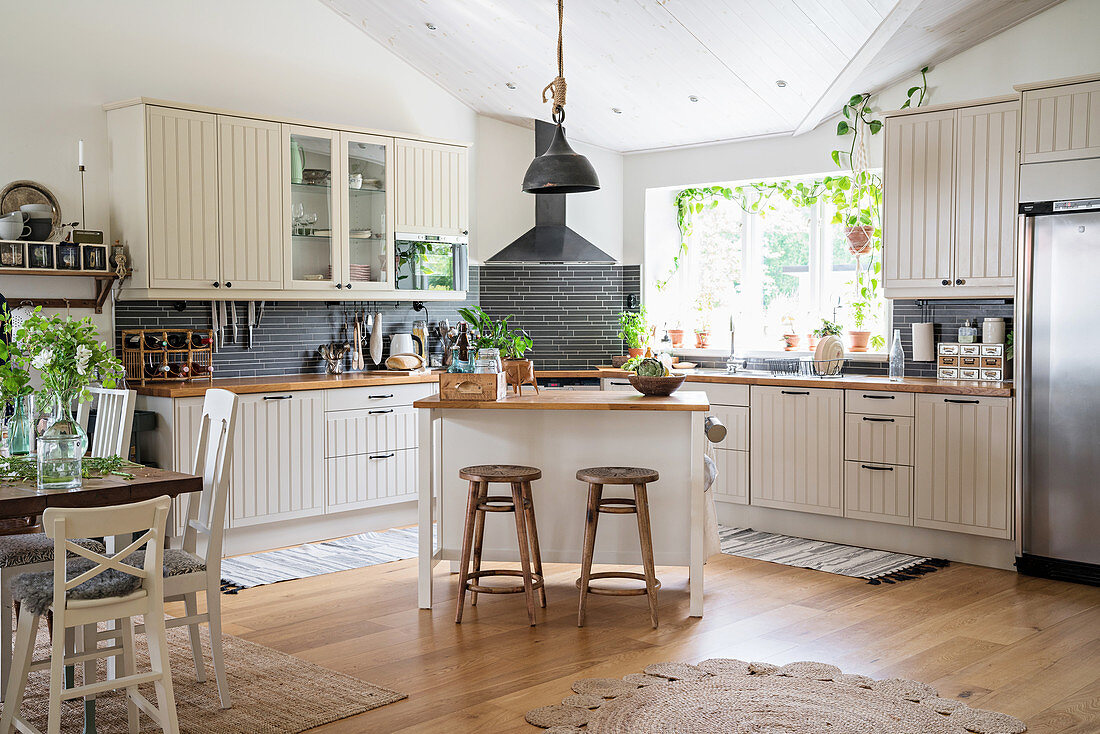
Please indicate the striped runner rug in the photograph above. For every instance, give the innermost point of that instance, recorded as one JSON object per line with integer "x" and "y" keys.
{"x": 314, "y": 559}
{"x": 877, "y": 566}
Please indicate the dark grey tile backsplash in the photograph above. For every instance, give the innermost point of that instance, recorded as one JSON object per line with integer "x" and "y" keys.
{"x": 948, "y": 316}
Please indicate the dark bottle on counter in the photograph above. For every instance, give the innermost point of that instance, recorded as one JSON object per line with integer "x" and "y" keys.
{"x": 155, "y": 341}
{"x": 463, "y": 350}
{"x": 157, "y": 371}
{"x": 133, "y": 341}
{"x": 201, "y": 370}
{"x": 199, "y": 341}
{"x": 176, "y": 341}
{"x": 180, "y": 370}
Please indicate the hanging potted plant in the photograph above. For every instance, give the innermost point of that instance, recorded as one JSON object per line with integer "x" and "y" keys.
{"x": 634, "y": 330}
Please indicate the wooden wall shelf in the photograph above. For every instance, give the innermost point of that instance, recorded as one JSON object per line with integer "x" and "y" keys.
{"x": 104, "y": 281}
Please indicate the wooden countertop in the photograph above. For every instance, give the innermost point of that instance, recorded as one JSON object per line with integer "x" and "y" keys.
{"x": 577, "y": 400}
{"x": 319, "y": 381}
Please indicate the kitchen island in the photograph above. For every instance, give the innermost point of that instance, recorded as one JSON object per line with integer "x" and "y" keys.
{"x": 561, "y": 432}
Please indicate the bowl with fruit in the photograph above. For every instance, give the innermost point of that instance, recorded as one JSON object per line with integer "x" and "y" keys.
{"x": 654, "y": 377}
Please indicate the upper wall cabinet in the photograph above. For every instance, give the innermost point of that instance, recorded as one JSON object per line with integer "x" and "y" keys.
{"x": 1061, "y": 123}
{"x": 431, "y": 194}
{"x": 212, "y": 205}
{"x": 950, "y": 202}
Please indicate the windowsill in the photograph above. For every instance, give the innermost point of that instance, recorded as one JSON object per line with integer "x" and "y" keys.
{"x": 775, "y": 354}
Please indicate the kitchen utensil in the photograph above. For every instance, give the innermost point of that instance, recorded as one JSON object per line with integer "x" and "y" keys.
{"x": 402, "y": 344}
{"x": 259, "y": 313}
{"x": 18, "y": 193}
{"x": 420, "y": 336}
{"x": 214, "y": 325}
{"x": 334, "y": 354}
{"x": 233, "y": 319}
{"x": 376, "y": 339}
{"x": 251, "y": 321}
{"x": 356, "y": 344}
{"x": 223, "y": 322}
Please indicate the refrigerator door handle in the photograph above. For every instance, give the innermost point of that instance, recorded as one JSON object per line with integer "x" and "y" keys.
{"x": 1024, "y": 233}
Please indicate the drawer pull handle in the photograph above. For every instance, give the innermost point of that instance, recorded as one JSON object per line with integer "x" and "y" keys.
{"x": 613, "y": 382}
{"x": 380, "y": 397}
{"x": 381, "y": 456}
{"x": 880, "y": 397}
{"x": 376, "y": 412}
{"x": 795, "y": 392}
{"x": 278, "y": 397}
{"x": 877, "y": 468}
{"x": 878, "y": 420}
{"x": 962, "y": 402}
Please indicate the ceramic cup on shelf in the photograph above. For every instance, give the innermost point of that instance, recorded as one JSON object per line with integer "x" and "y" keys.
{"x": 40, "y": 228}
{"x": 13, "y": 228}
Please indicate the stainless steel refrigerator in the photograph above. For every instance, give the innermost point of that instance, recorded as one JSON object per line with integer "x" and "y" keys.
{"x": 1057, "y": 360}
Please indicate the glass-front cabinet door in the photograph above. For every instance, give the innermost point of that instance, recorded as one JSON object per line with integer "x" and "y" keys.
{"x": 367, "y": 211}
{"x": 312, "y": 208}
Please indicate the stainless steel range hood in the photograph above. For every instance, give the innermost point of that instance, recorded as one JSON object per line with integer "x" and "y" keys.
{"x": 550, "y": 240}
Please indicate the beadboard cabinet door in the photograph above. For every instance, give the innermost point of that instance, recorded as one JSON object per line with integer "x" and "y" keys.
{"x": 1061, "y": 123}
{"x": 369, "y": 480}
{"x": 432, "y": 188}
{"x": 182, "y": 185}
{"x": 963, "y": 464}
{"x": 250, "y": 155}
{"x": 985, "y": 215}
{"x": 732, "y": 484}
{"x": 278, "y": 457}
{"x": 919, "y": 182}
{"x": 186, "y": 417}
{"x": 796, "y": 444}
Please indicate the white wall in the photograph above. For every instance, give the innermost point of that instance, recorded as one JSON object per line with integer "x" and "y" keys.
{"x": 1057, "y": 43}
{"x": 294, "y": 58}
{"x": 504, "y": 212}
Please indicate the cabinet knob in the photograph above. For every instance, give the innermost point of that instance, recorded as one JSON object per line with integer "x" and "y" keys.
{"x": 959, "y": 281}
{"x": 348, "y": 286}
{"x": 339, "y": 285}
{"x": 228, "y": 284}
{"x": 945, "y": 281}
{"x": 217, "y": 284}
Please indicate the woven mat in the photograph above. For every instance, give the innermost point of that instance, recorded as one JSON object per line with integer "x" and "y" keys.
{"x": 272, "y": 692}
{"x": 727, "y": 696}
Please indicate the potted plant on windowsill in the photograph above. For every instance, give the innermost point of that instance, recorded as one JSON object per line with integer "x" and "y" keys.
{"x": 827, "y": 328}
{"x": 676, "y": 334}
{"x": 634, "y": 330}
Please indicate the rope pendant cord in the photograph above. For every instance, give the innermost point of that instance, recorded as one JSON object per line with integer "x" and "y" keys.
{"x": 556, "y": 88}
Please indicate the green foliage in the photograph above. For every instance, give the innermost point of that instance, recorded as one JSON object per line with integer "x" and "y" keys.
{"x": 916, "y": 94}
{"x": 828, "y": 328}
{"x": 490, "y": 334}
{"x": 15, "y": 378}
{"x": 633, "y": 328}
{"x": 1010, "y": 349}
{"x": 25, "y": 469}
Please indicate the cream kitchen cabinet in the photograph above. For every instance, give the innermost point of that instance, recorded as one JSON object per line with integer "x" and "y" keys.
{"x": 949, "y": 208}
{"x": 432, "y": 188}
{"x": 1061, "y": 122}
{"x": 963, "y": 452}
{"x": 796, "y": 448}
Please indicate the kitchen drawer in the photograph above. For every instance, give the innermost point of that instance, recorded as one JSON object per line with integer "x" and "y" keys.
{"x": 379, "y": 396}
{"x": 616, "y": 383}
{"x": 970, "y": 350}
{"x": 369, "y": 430}
{"x": 367, "y": 480}
{"x": 970, "y": 374}
{"x": 886, "y": 439}
{"x": 993, "y": 350}
{"x": 992, "y": 375}
{"x": 732, "y": 483}
{"x": 969, "y": 362}
{"x": 945, "y": 373}
{"x": 878, "y": 402}
{"x": 949, "y": 360}
{"x": 721, "y": 394}
{"x": 736, "y": 420}
{"x": 880, "y": 492}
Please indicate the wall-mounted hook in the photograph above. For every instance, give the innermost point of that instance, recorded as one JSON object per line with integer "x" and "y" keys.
{"x": 180, "y": 306}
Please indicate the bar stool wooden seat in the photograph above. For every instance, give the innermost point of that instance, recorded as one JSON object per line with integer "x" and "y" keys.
{"x": 478, "y": 502}
{"x": 638, "y": 478}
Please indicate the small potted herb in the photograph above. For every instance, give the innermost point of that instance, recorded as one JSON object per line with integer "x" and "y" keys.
{"x": 513, "y": 345}
{"x": 634, "y": 330}
{"x": 827, "y": 328}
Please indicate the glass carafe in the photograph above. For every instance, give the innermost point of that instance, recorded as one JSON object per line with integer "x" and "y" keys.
{"x": 21, "y": 427}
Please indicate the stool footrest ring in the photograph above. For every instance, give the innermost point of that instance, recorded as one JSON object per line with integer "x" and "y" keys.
{"x": 618, "y": 575}
{"x": 499, "y": 503}
{"x": 536, "y": 582}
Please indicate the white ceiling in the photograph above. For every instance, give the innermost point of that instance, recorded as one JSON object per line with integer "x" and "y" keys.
{"x": 647, "y": 57}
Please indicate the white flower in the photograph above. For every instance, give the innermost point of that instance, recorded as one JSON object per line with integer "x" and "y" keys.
{"x": 42, "y": 360}
{"x": 83, "y": 354}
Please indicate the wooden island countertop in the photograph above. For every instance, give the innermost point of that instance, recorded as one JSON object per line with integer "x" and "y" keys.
{"x": 577, "y": 400}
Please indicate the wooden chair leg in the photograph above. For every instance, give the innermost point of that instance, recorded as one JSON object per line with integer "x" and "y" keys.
{"x": 6, "y": 630}
{"x": 645, "y": 536}
{"x": 129, "y": 667}
{"x": 89, "y": 645}
{"x": 591, "y": 520}
{"x": 467, "y": 546}
{"x": 479, "y": 538}
{"x": 524, "y": 549}
{"x": 158, "y": 661}
{"x": 191, "y": 608}
{"x": 532, "y": 530}
{"x": 25, "y": 632}
{"x": 217, "y": 653}
{"x": 57, "y": 676}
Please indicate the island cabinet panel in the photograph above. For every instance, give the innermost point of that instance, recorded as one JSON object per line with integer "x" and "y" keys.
{"x": 251, "y": 196}
{"x": 732, "y": 484}
{"x": 878, "y": 492}
{"x": 368, "y": 480}
{"x": 278, "y": 454}
{"x": 796, "y": 437}
{"x": 963, "y": 464}
{"x": 182, "y": 182}
{"x": 432, "y": 188}
{"x": 1061, "y": 123}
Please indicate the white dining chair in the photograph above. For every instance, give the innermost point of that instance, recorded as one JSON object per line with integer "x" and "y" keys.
{"x": 114, "y": 420}
{"x": 92, "y": 589}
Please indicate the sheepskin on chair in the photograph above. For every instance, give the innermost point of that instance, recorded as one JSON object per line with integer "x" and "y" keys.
{"x": 35, "y": 590}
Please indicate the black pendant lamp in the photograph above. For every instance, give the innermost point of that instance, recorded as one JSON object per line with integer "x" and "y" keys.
{"x": 559, "y": 170}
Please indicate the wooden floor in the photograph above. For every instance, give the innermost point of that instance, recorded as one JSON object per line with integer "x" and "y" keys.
{"x": 1025, "y": 646}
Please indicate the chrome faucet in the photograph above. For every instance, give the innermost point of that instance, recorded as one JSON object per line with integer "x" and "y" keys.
{"x": 731, "y": 361}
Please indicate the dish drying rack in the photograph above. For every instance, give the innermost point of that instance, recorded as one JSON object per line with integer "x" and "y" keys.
{"x": 822, "y": 368}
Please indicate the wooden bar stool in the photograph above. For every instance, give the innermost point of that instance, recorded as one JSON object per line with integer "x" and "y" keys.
{"x": 597, "y": 477}
{"x": 478, "y": 502}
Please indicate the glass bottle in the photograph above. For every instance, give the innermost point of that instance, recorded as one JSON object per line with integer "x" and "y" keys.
{"x": 463, "y": 350}
{"x": 21, "y": 426}
{"x": 967, "y": 333}
{"x": 897, "y": 358}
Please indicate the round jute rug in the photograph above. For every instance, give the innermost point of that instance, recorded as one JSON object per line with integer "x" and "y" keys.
{"x": 797, "y": 698}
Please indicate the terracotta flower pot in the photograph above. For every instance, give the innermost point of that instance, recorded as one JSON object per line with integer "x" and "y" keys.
{"x": 677, "y": 337}
{"x": 702, "y": 338}
{"x": 632, "y": 353}
{"x": 792, "y": 340}
{"x": 859, "y": 239}
{"x": 811, "y": 342}
{"x": 520, "y": 372}
{"x": 859, "y": 340}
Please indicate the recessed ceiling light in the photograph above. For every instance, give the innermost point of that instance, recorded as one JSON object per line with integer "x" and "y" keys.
{"x": 510, "y": 85}
{"x": 430, "y": 26}
{"x": 616, "y": 110}
{"x": 780, "y": 83}
{"x": 693, "y": 98}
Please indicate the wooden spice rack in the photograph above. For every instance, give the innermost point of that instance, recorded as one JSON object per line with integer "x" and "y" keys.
{"x": 136, "y": 359}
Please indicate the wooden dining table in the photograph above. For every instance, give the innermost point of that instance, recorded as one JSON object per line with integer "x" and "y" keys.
{"x": 23, "y": 498}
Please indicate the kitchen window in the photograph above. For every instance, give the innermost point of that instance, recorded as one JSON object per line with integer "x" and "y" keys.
{"x": 780, "y": 272}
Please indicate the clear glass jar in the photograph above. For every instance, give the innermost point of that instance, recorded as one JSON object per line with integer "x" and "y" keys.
{"x": 59, "y": 459}
{"x": 967, "y": 333}
{"x": 897, "y": 358}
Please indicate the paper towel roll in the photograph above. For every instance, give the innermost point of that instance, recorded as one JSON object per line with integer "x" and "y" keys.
{"x": 924, "y": 343}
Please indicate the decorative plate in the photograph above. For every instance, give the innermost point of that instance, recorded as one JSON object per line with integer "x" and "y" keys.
{"x": 18, "y": 193}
